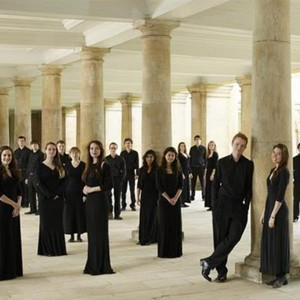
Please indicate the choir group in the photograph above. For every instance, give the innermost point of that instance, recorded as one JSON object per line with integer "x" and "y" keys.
{"x": 73, "y": 197}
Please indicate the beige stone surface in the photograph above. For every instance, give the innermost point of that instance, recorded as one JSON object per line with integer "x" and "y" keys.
{"x": 139, "y": 273}
{"x": 4, "y": 116}
{"x": 126, "y": 103}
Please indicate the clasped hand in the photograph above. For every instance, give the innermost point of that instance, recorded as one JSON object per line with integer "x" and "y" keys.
{"x": 87, "y": 190}
{"x": 173, "y": 201}
{"x": 16, "y": 210}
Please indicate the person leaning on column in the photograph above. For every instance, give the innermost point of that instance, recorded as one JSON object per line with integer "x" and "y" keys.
{"x": 231, "y": 196}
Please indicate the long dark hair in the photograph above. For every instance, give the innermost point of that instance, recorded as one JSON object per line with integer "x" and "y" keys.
{"x": 56, "y": 160}
{"x": 154, "y": 163}
{"x": 284, "y": 158}
{"x": 89, "y": 161}
{"x": 174, "y": 165}
{"x": 12, "y": 166}
{"x": 181, "y": 143}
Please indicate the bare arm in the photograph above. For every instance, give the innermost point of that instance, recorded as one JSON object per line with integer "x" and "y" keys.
{"x": 274, "y": 213}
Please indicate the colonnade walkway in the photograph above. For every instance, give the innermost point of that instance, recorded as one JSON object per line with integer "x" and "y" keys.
{"x": 139, "y": 273}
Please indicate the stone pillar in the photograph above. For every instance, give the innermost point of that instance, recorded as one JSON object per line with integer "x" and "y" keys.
{"x": 156, "y": 99}
{"x": 126, "y": 102}
{"x": 77, "y": 108}
{"x": 4, "y": 116}
{"x": 51, "y": 104}
{"x": 198, "y": 108}
{"x": 245, "y": 85}
{"x": 92, "y": 122}
{"x": 63, "y": 123}
{"x": 22, "y": 119}
{"x": 271, "y": 117}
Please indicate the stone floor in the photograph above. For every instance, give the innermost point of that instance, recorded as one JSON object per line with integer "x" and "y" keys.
{"x": 139, "y": 273}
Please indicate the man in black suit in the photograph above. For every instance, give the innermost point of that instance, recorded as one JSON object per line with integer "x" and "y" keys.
{"x": 198, "y": 162}
{"x": 231, "y": 196}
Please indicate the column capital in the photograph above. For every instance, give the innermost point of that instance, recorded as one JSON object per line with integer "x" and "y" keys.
{"x": 22, "y": 81}
{"x": 51, "y": 69}
{"x": 197, "y": 88}
{"x": 4, "y": 91}
{"x": 93, "y": 53}
{"x": 126, "y": 99}
{"x": 244, "y": 80}
{"x": 150, "y": 27}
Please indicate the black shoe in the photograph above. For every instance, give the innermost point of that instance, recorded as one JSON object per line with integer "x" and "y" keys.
{"x": 296, "y": 219}
{"x": 221, "y": 278}
{"x": 192, "y": 198}
{"x": 118, "y": 218}
{"x": 79, "y": 240}
{"x": 271, "y": 282}
{"x": 71, "y": 240}
{"x": 132, "y": 206}
{"x": 29, "y": 213}
{"x": 209, "y": 209}
{"x": 280, "y": 282}
{"x": 184, "y": 205}
{"x": 205, "y": 269}
{"x": 123, "y": 208}
{"x": 37, "y": 213}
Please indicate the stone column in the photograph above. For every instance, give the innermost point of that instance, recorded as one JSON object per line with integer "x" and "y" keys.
{"x": 245, "y": 85}
{"x": 4, "y": 116}
{"x": 126, "y": 103}
{"x": 198, "y": 109}
{"x": 156, "y": 99}
{"x": 77, "y": 108}
{"x": 51, "y": 104}
{"x": 92, "y": 122}
{"x": 63, "y": 123}
{"x": 271, "y": 116}
{"x": 22, "y": 120}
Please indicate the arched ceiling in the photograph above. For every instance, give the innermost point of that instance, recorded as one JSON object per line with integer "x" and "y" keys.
{"x": 212, "y": 44}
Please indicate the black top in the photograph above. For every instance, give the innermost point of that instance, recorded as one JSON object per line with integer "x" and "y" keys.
{"x": 211, "y": 162}
{"x": 64, "y": 159}
{"x": 198, "y": 156}
{"x": 22, "y": 157}
{"x": 184, "y": 163}
{"x": 35, "y": 159}
{"x": 233, "y": 181}
{"x": 117, "y": 166}
{"x": 131, "y": 160}
{"x": 296, "y": 167}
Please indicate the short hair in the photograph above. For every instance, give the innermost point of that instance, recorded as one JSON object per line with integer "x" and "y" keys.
{"x": 298, "y": 146}
{"x": 197, "y": 136}
{"x": 113, "y": 143}
{"x": 22, "y": 137}
{"x": 240, "y": 135}
{"x": 60, "y": 142}
{"x": 128, "y": 140}
{"x": 35, "y": 142}
{"x": 74, "y": 150}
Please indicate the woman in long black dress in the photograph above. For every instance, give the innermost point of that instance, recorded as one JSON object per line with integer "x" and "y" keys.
{"x": 184, "y": 160}
{"x": 10, "y": 206}
{"x": 74, "y": 210}
{"x": 210, "y": 170}
{"x": 50, "y": 176}
{"x": 169, "y": 182}
{"x": 275, "y": 252}
{"x": 147, "y": 197}
{"x": 98, "y": 180}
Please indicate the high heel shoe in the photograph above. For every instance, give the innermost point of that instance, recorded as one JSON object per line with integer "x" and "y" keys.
{"x": 280, "y": 282}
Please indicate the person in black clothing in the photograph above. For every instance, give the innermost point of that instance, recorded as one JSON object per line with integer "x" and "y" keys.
{"x": 275, "y": 244}
{"x": 231, "y": 196}
{"x": 131, "y": 158}
{"x": 35, "y": 158}
{"x": 296, "y": 172}
{"x": 22, "y": 156}
{"x": 184, "y": 160}
{"x": 50, "y": 177}
{"x": 198, "y": 162}
{"x": 63, "y": 156}
{"x": 118, "y": 171}
{"x": 210, "y": 170}
{"x": 169, "y": 182}
{"x": 10, "y": 206}
{"x": 147, "y": 197}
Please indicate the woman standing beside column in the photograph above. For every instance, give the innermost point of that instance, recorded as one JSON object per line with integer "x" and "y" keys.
{"x": 275, "y": 252}
{"x": 169, "y": 183}
{"x": 98, "y": 181}
{"x": 10, "y": 206}
{"x": 50, "y": 177}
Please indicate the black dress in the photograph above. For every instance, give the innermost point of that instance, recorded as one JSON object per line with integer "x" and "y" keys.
{"x": 96, "y": 206}
{"x": 74, "y": 209}
{"x": 169, "y": 216}
{"x": 10, "y": 234}
{"x": 186, "y": 170}
{"x": 51, "y": 235}
{"x": 275, "y": 252}
{"x": 211, "y": 163}
{"x": 148, "y": 211}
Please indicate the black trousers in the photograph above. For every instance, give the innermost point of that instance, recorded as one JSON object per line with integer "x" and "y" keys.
{"x": 24, "y": 189}
{"x": 131, "y": 180}
{"x": 296, "y": 199}
{"x": 32, "y": 192}
{"x": 228, "y": 229}
{"x": 117, "y": 197}
{"x": 197, "y": 172}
